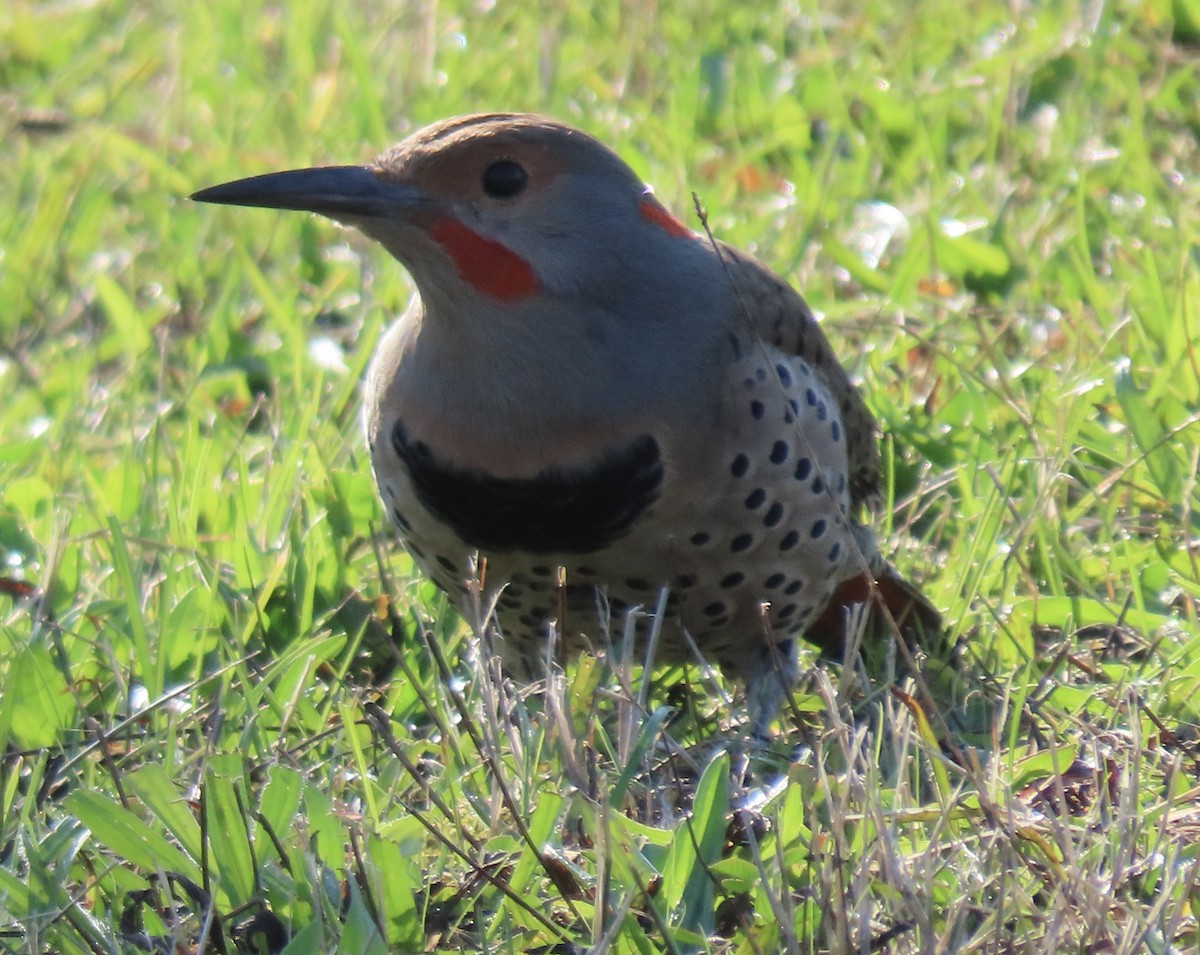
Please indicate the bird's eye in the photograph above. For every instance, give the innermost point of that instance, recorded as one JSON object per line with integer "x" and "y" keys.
{"x": 504, "y": 179}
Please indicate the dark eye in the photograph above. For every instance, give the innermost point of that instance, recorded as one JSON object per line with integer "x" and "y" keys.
{"x": 504, "y": 179}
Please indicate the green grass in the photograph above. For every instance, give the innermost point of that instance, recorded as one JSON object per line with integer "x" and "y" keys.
{"x": 220, "y": 705}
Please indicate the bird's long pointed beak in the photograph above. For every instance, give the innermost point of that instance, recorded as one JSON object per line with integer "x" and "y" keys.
{"x": 340, "y": 192}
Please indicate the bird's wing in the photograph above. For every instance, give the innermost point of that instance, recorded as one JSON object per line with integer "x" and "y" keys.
{"x": 780, "y": 318}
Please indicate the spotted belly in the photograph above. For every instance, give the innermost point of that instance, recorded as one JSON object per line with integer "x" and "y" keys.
{"x": 749, "y": 545}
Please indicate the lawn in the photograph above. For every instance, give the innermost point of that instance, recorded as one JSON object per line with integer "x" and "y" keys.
{"x": 233, "y": 717}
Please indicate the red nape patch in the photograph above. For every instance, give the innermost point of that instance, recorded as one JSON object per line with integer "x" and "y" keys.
{"x": 488, "y": 266}
{"x": 652, "y": 211}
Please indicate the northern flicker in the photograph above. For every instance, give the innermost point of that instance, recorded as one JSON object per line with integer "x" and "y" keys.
{"x": 601, "y": 403}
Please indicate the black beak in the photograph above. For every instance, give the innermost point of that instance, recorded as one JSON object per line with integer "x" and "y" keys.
{"x": 340, "y": 192}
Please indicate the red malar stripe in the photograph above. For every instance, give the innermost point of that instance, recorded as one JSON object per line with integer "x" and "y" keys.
{"x": 488, "y": 266}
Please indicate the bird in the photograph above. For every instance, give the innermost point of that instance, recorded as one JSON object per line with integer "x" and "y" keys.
{"x": 601, "y": 411}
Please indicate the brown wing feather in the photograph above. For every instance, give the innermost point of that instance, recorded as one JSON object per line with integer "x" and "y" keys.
{"x": 780, "y": 317}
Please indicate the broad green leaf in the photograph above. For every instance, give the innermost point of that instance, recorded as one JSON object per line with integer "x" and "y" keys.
{"x": 697, "y": 843}
{"x": 155, "y": 788}
{"x": 228, "y": 838}
{"x": 128, "y": 836}
{"x": 36, "y": 704}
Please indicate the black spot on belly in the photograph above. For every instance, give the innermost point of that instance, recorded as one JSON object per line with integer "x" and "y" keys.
{"x": 774, "y": 515}
{"x": 571, "y": 511}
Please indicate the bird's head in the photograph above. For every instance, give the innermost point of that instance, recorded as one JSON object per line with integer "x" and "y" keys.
{"x": 498, "y": 209}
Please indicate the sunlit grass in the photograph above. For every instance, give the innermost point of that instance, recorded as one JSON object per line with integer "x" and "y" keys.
{"x": 221, "y": 708}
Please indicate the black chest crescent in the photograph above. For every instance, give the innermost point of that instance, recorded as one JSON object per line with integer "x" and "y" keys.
{"x": 559, "y": 510}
